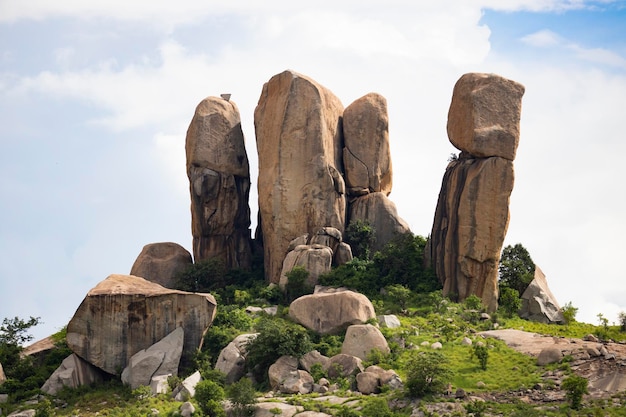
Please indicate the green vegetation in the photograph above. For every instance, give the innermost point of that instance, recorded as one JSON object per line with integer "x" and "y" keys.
{"x": 396, "y": 281}
{"x": 360, "y": 235}
{"x": 517, "y": 268}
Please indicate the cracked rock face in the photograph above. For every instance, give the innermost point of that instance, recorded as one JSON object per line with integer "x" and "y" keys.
{"x": 219, "y": 184}
{"x": 472, "y": 214}
{"x": 366, "y": 153}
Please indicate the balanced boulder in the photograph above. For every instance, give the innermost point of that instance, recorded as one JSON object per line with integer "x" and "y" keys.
{"x": 161, "y": 263}
{"x": 472, "y": 214}
{"x": 124, "y": 314}
{"x": 362, "y": 339}
{"x": 331, "y": 312}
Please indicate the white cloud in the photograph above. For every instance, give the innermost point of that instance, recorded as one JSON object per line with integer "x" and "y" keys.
{"x": 542, "y": 38}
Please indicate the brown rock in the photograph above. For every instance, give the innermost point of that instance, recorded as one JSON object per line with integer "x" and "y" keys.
{"x": 284, "y": 367}
{"x": 470, "y": 224}
{"x": 316, "y": 259}
{"x": 3, "y": 377}
{"x": 330, "y": 313}
{"x": 380, "y": 212}
{"x": 161, "y": 263}
{"x": 72, "y": 373}
{"x": 343, "y": 365}
{"x": 124, "y": 314}
{"x": 368, "y": 383}
{"x": 219, "y": 184}
{"x": 366, "y": 155}
{"x": 362, "y": 339}
{"x": 549, "y": 355}
{"x": 484, "y": 115}
{"x": 314, "y": 357}
{"x": 298, "y": 133}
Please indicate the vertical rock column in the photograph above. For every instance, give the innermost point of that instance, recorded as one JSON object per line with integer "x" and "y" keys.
{"x": 472, "y": 212}
{"x": 299, "y": 141}
{"x": 367, "y": 161}
{"x": 219, "y": 184}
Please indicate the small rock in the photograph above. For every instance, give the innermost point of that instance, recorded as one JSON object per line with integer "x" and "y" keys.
{"x": 436, "y": 345}
{"x": 549, "y": 355}
{"x": 460, "y": 393}
{"x": 591, "y": 338}
{"x": 187, "y": 409}
{"x": 480, "y": 384}
{"x": 466, "y": 341}
{"x": 485, "y": 316}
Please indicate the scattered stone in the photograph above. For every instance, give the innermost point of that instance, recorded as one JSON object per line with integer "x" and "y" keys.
{"x": 343, "y": 365}
{"x": 3, "y": 377}
{"x": 460, "y": 394}
{"x": 72, "y": 373}
{"x": 436, "y": 345}
{"x": 389, "y": 320}
{"x": 331, "y": 312}
{"x": 368, "y": 383}
{"x": 162, "y": 358}
{"x": 272, "y": 409}
{"x": 591, "y": 338}
{"x": 312, "y": 358}
{"x": 549, "y": 355}
{"x": 161, "y": 263}
{"x": 187, "y": 409}
{"x": 187, "y": 388}
{"x": 159, "y": 384}
{"x": 362, "y": 339}
{"x": 23, "y": 413}
{"x": 232, "y": 359}
{"x": 480, "y": 385}
{"x": 466, "y": 341}
{"x": 485, "y": 316}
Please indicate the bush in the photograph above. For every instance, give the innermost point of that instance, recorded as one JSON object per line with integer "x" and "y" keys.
{"x": 277, "y": 337}
{"x": 509, "y": 301}
{"x": 473, "y": 302}
{"x": 516, "y": 268}
{"x": 243, "y": 396}
{"x": 622, "y": 321}
{"x": 360, "y": 235}
{"x": 575, "y": 387}
{"x": 482, "y": 353}
{"x": 297, "y": 285}
{"x": 569, "y": 313}
{"x": 209, "y": 395}
{"x": 427, "y": 373}
{"x": 377, "y": 407}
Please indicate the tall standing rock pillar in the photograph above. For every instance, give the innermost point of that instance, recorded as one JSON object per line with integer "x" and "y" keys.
{"x": 299, "y": 141}
{"x": 472, "y": 212}
{"x": 219, "y": 184}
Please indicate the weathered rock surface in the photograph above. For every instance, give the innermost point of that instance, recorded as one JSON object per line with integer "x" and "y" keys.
{"x": 368, "y": 383}
{"x": 380, "y": 212}
{"x": 389, "y": 320}
{"x": 470, "y": 224}
{"x": 187, "y": 388}
{"x": 124, "y": 314}
{"x": 284, "y": 376}
{"x": 298, "y": 134}
{"x": 484, "y": 116}
{"x": 268, "y": 409}
{"x": 161, "y": 262}
{"x": 72, "y": 373}
{"x": 366, "y": 154}
{"x": 219, "y": 184}
{"x": 472, "y": 214}
{"x": 232, "y": 359}
{"x": 3, "y": 377}
{"x": 343, "y": 365}
{"x": 549, "y": 355}
{"x": 314, "y": 357}
{"x": 316, "y": 259}
{"x": 162, "y": 358}
{"x": 361, "y": 339}
{"x": 538, "y": 302}
{"x": 329, "y": 313}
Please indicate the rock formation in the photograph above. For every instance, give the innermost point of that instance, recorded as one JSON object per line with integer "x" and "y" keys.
{"x": 331, "y": 312}
{"x": 72, "y": 373}
{"x": 124, "y": 314}
{"x": 160, "y": 359}
{"x": 161, "y": 263}
{"x": 219, "y": 184}
{"x": 361, "y": 339}
{"x": 472, "y": 212}
{"x": 538, "y": 302}
{"x": 301, "y": 188}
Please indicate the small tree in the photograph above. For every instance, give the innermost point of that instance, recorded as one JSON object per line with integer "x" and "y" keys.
{"x": 482, "y": 353}
{"x": 575, "y": 387}
{"x": 622, "y": 321}
{"x": 569, "y": 313}
{"x": 360, "y": 235}
{"x": 517, "y": 268}
{"x": 13, "y": 331}
{"x": 296, "y": 283}
{"x": 243, "y": 396}
{"x": 209, "y": 395}
{"x": 427, "y": 373}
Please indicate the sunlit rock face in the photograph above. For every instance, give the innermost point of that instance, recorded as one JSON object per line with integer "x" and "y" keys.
{"x": 299, "y": 142}
{"x": 472, "y": 212}
{"x": 125, "y": 314}
{"x": 219, "y": 184}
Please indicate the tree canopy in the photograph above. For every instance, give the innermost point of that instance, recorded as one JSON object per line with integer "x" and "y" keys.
{"x": 517, "y": 268}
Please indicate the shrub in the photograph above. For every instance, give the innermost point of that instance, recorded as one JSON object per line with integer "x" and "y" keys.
{"x": 427, "y": 373}
{"x": 569, "y": 312}
{"x": 575, "y": 387}
{"x": 377, "y": 407}
{"x": 277, "y": 337}
{"x": 509, "y": 301}
{"x": 482, "y": 353}
{"x": 243, "y": 396}
{"x": 622, "y": 321}
{"x": 209, "y": 395}
{"x": 473, "y": 302}
{"x": 297, "y": 283}
{"x": 516, "y": 268}
{"x": 360, "y": 235}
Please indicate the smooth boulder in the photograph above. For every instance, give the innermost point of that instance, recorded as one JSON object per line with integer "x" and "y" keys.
{"x": 161, "y": 263}
{"x": 362, "y": 339}
{"x": 72, "y": 373}
{"x": 538, "y": 302}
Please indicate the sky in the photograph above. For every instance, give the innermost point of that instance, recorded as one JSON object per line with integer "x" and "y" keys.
{"x": 96, "y": 98}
